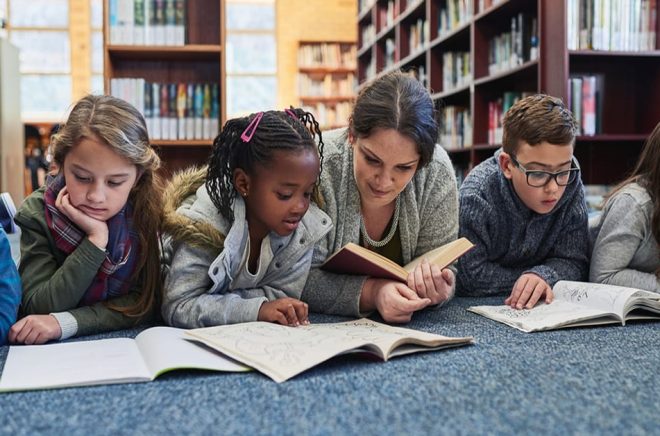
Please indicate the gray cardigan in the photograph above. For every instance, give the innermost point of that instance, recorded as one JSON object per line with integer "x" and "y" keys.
{"x": 197, "y": 287}
{"x": 511, "y": 240}
{"x": 428, "y": 219}
{"x": 625, "y": 252}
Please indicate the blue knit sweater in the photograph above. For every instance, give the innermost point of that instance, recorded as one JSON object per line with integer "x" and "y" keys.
{"x": 510, "y": 239}
{"x": 10, "y": 288}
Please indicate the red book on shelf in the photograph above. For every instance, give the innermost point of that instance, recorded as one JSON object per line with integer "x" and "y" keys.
{"x": 589, "y": 105}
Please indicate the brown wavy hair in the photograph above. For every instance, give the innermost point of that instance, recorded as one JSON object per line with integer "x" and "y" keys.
{"x": 120, "y": 126}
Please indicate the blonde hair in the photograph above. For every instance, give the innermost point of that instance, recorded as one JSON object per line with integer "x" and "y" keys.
{"x": 121, "y": 127}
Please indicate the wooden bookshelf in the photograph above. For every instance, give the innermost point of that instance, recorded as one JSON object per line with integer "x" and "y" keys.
{"x": 629, "y": 81}
{"x": 326, "y": 80}
{"x": 200, "y": 60}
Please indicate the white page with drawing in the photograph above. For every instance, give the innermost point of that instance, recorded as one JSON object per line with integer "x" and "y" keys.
{"x": 575, "y": 304}
{"x": 282, "y": 352}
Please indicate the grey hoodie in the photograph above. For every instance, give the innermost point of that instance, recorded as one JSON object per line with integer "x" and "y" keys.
{"x": 198, "y": 291}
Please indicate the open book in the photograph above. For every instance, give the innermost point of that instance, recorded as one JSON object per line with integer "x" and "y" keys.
{"x": 354, "y": 259}
{"x": 578, "y": 304}
{"x": 282, "y": 352}
{"x": 106, "y": 361}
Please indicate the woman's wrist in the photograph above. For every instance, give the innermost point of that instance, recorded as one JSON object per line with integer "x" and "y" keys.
{"x": 368, "y": 295}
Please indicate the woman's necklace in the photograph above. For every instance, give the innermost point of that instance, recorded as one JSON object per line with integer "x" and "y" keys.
{"x": 386, "y": 239}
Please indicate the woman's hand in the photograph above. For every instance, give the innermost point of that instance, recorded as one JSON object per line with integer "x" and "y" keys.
{"x": 285, "y": 311}
{"x": 429, "y": 281}
{"x": 34, "y": 329}
{"x": 96, "y": 230}
{"x": 395, "y": 301}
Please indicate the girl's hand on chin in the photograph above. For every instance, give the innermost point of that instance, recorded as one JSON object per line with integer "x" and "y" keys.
{"x": 96, "y": 230}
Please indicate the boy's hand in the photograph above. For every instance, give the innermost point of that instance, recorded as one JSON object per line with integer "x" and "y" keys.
{"x": 527, "y": 290}
{"x": 96, "y": 230}
{"x": 285, "y": 311}
{"x": 429, "y": 281}
{"x": 34, "y": 329}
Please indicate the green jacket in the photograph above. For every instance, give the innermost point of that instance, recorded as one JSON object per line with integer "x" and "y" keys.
{"x": 56, "y": 282}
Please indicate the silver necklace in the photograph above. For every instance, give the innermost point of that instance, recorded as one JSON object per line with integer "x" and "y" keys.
{"x": 388, "y": 238}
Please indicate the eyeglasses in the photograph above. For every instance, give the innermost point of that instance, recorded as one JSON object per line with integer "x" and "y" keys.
{"x": 538, "y": 179}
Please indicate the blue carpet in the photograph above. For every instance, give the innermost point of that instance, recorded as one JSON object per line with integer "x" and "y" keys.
{"x": 588, "y": 380}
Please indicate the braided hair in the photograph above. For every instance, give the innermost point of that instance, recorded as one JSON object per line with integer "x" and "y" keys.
{"x": 291, "y": 130}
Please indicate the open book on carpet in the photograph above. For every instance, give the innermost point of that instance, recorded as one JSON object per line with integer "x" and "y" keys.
{"x": 578, "y": 304}
{"x": 105, "y": 361}
{"x": 354, "y": 259}
{"x": 282, "y": 352}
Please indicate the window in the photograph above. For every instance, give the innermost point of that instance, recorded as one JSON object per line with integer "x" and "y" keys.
{"x": 47, "y": 33}
{"x": 251, "y": 59}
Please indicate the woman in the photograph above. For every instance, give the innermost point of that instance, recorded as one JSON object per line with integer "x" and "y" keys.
{"x": 389, "y": 187}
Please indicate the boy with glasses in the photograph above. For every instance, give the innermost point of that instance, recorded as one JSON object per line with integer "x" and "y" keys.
{"x": 524, "y": 209}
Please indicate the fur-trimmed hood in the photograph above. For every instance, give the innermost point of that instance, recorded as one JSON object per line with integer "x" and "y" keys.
{"x": 180, "y": 223}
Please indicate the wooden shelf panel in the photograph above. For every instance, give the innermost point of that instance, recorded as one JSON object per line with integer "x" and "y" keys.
{"x": 326, "y": 70}
{"x": 327, "y": 100}
{"x": 619, "y": 54}
{"x": 185, "y": 52}
{"x": 524, "y": 68}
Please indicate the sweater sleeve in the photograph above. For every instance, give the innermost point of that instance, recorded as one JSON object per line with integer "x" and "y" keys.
{"x": 10, "y": 289}
{"x": 620, "y": 236}
{"x": 191, "y": 301}
{"x": 477, "y": 274}
{"x": 568, "y": 259}
{"x": 48, "y": 287}
{"x": 326, "y": 292}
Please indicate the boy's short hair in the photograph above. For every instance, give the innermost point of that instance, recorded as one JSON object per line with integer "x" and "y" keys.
{"x": 535, "y": 119}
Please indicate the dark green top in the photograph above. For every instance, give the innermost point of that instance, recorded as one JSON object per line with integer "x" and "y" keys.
{"x": 56, "y": 282}
{"x": 392, "y": 250}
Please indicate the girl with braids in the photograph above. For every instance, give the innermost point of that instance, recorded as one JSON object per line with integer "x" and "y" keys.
{"x": 89, "y": 244}
{"x": 626, "y": 248}
{"x": 243, "y": 240}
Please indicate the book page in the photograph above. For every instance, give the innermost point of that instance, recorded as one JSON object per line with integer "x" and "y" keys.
{"x": 442, "y": 256}
{"x": 607, "y": 298}
{"x": 543, "y": 316}
{"x": 282, "y": 352}
{"x": 165, "y": 348}
{"x": 81, "y": 363}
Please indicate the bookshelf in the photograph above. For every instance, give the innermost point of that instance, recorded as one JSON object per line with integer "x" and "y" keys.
{"x": 327, "y": 81}
{"x": 188, "y": 54}
{"x": 477, "y": 57}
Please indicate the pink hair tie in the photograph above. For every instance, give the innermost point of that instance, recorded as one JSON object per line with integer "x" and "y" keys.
{"x": 291, "y": 113}
{"x": 248, "y": 133}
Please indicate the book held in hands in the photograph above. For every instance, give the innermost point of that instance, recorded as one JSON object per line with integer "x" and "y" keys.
{"x": 579, "y": 304}
{"x": 354, "y": 259}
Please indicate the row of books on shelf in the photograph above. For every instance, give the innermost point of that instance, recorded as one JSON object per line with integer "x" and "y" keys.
{"x": 327, "y": 86}
{"x": 418, "y": 35}
{"x": 616, "y": 25}
{"x": 147, "y": 22}
{"x": 368, "y": 35}
{"x": 327, "y": 55}
{"x": 497, "y": 109}
{"x": 453, "y": 14}
{"x": 510, "y": 49}
{"x": 390, "y": 49}
{"x": 455, "y": 128}
{"x": 456, "y": 70}
{"x": 330, "y": 116}
{"x": 173, "y": 111}
{"x": 585, "y": 99}
{"x": 365, "y": 4}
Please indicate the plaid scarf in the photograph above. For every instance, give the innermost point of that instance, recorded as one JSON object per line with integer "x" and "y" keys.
{"x": 113, "y": 277}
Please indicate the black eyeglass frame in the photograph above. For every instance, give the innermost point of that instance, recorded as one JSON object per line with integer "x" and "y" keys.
{"x": 573, "y": 173}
